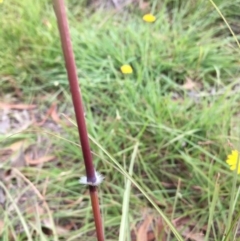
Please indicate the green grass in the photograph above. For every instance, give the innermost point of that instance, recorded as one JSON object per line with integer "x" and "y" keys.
{"x": 181, "y": 138}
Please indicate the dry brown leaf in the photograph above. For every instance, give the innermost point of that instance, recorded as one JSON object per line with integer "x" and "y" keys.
{"x": 159, "y": 230}
{"x": 179, "y": 222}
{"x": 142, "y": 232}
{"x": 39, "y": 160}
{"x": 143, "y": 5}
{"x": 35, "y": 209}
{"x": 17, "y": 106}
{"x": 195, "y": 236}
{"x": 14, "y": 85}
{"x": 49, "y": 113}
{"x": 185, "y": 226}
{"x": 168, "y": 185}
{"x": 204, "y": 143}
{"x": 151, "y": 228}
{"x": 1, "y": 226}
{"x": 71, "y": 225}
{"x": 61, "y": 230}
{"x": 5, "y": 154}
{"x": 15, "y": 152}
{"x": 54, "y": 114}
{"x": 48, "y": 225}
{"x": 19, "y": 144}
{"x": 189, "y": 84}
{"x": 139, "y": 231}
{"x": 18, "y": 159}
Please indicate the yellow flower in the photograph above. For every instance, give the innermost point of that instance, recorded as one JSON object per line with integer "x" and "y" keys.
{"x": 149, "y": 18}
{"x": 126, "y": 69}
{"x": 233, "y": 161}
{"x": 1, "y": 1}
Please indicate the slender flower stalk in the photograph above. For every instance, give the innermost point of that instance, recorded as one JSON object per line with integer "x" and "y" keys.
{"x": 92, "y": 178}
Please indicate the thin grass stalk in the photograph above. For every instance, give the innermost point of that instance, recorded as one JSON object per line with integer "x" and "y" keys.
{"x": 212, "y": 207}
{"x": 79, "y": 112}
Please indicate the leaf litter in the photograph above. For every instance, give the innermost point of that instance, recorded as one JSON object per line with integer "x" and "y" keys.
{"x": 150, "y": 228}
{"x": 26, "y": 152}
{"x": 30, "y": 201}
{"x": 19, "y": 151}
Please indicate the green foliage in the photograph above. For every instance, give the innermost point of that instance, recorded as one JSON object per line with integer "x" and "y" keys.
{"x": 182, "y": 134}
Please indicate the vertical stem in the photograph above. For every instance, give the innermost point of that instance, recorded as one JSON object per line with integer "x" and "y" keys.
{"x": 74, "y": 86}
{"x": 96, "y": 212}
{"x": 79, "y": 111}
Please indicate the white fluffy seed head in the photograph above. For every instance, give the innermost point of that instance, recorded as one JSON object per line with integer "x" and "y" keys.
{"x": 99, "y": 179}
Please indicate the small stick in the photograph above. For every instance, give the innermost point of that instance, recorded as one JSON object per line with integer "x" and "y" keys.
{"x": 92, "y": 176}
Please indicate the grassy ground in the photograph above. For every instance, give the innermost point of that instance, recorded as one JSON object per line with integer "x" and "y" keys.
{"x": 180, "y": 105}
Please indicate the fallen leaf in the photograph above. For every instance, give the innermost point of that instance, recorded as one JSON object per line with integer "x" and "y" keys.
{"x": 1, "y": 226}
{"x": 150, "y": 229}
{"x": 181, "y": 221}
{"x": 189, "y": 84}
{"x": 32, "y": 210}
{"x": 5, "y": 153}
{"x": 143, "y": 5}
{"x": 202, "y": 143}
{"x": 143, "y": 230}
{"x": 5, "y": 124}
{"x": 2, "y": 201}
{"x": 48, "y": 228}
{"x": 54, "y": 114}
{"x": 195, "y": 236}
{"x": 238, "y": 229}
{"x": 18, "y": 158}
{"x": 186, "y": 227}
{"x": 16, "y": 106}
{"x": 14, "y": 85}
{"x": 17, "y": 145}
{"x": 39, "y": 160}
{"x": 159, "y": 230}
{"x": 51, "y": 113}
{"x": 15, "y": 153}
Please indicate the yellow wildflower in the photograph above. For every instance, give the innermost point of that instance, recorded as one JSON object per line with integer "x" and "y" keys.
{"x": 232, "y": 161}
{"x": 1, "y": 1}
{"x": 126, "y": 69}
{"x": 149, "y": 18}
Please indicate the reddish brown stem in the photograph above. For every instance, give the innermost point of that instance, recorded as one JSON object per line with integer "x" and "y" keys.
{"x": 79, "y": 111}
{"x": 96, "y": 212}
{"x": 74, "y": 86}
